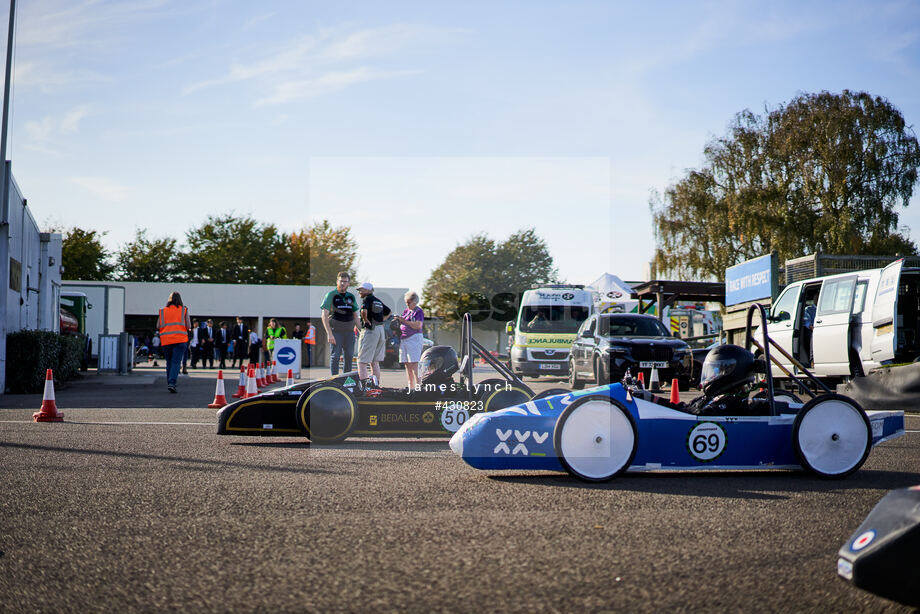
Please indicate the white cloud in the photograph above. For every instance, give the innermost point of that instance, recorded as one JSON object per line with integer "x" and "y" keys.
{"x": 102, "y": 188}
{"x": 291, "y": 91}
{"x": 44, "y": 77}
{"x": 292, "y": 72}
{"x": 49, "y": 127}
{"x": 253, "y": 21}
{"x": 64, "y": 23}
{"x": 71, "y": 121}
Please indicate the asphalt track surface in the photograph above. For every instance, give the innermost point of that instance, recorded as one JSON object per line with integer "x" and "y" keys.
{"x": 127, "y": 508}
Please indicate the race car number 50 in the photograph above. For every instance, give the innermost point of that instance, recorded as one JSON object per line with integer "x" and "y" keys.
{"x": 706, "y": 441}
{"x": 453, "y": 416}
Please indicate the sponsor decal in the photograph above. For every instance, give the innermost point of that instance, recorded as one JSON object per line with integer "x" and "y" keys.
{"x": 862, "y": 540}
{"x": 877, "y": 428}
{"x": 400, "y": 418}
{"x": 268, "y": 427}
{"x": 706, "y": 441}
{"x": 427, "y": 417}
{"x": 373, "y": 420}
{"x": 504, "y": 441}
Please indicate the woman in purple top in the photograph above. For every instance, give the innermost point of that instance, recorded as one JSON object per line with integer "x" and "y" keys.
{"x": 410, "y": 338}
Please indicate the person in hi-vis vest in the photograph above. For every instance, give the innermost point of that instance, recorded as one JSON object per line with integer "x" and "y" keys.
{"x": 173, "y": 324}
{"x": 309, "y": 338}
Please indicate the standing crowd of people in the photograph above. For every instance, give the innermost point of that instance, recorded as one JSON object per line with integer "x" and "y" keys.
{"x": 344, "y": 318}
{"x": 181, "y": 340}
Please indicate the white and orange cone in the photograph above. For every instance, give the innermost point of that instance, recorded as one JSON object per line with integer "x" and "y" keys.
{"x": 49, "y": 411}
{"x": 290, "y": 378}
{"x": 241, "y": 390}
{"x": 220, "y": 398}
{"x": 251, "y": 387}
{"x": 260, "y": 377}
{"x": 275, "y": 378}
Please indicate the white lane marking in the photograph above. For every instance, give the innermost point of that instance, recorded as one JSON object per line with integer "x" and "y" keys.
{"x": 76, "y": 422}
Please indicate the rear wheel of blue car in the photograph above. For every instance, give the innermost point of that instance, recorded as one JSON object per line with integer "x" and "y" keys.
{"x": 326, "y": 413}
{"x": 832, "y": 436}
{"x": 595, "y": 439}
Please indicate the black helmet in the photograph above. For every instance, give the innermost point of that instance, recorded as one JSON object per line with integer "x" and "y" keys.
{"x": 727, "y": 368}
{"x": 438, "y": 363}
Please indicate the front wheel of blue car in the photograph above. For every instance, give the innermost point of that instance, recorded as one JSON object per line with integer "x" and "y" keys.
{"x": 595, "y": 438}
{"x": 832, "y": 436}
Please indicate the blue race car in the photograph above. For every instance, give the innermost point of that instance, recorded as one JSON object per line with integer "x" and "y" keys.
{"x": 599, "y": 433}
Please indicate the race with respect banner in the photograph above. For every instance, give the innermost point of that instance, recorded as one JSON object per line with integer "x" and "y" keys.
{"x": 751, "y": 280}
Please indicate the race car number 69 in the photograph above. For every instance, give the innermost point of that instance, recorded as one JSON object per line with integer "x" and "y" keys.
{"x": 706, "y": 441}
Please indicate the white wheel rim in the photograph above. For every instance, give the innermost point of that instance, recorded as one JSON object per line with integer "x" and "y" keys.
{"x": 833, "y": 437}
{"x": 597, "y": 439}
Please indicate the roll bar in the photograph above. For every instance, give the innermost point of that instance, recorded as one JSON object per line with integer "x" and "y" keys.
{"x": 468, "y": 345}
{"x": 765, "y": 346}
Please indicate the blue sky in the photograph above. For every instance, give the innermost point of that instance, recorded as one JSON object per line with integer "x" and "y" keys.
{"x": 418, "y": 124}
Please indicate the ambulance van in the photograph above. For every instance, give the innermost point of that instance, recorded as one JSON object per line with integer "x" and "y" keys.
{"x": 545, "y": 328}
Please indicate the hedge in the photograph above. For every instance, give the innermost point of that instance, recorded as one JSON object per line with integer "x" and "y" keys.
{"x": 29, "y": 353}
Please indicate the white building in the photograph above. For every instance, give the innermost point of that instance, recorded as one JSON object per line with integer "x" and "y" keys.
{"x": 290, "y": 305}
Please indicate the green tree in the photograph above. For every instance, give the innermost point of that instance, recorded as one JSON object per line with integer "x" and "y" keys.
{"x": 84, "y": 257}
{"x": 485, "y": 278}
{"x": 827, "y": 170}
{"x": 146, "y": 259}
{"x": 230, "y": 249}
{"x": 314, "y": 255}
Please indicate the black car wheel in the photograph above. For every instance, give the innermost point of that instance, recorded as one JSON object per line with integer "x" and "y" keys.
{"x": 551, "y": 392}
{"x": 574, "y": 382}
{"x": 326, "y": 413}
{"x": 498, "y": 394}
{"x": 601, "y": 371}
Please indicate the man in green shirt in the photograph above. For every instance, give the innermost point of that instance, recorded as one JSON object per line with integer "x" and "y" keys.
{"x": 340, "y": 319}
{"x": 274, "y": 331}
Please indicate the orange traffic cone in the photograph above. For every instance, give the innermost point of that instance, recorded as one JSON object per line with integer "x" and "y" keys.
{"x": 251, "y": 386}
{"x": 220, "y": 399}
{"x": 642, "y": 379}
{"x": 49, "y": 411}
{"x": 675, "y": 391}
{"x": 260, "y": 377}
{"x": 275, "y": 378}
{"x": 241, "y": 390}
{"x": 290, "y": 378}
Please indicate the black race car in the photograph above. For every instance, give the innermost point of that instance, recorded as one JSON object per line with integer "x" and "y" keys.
{"x": 609, "y": 344}
{"x": 328, "y": 411}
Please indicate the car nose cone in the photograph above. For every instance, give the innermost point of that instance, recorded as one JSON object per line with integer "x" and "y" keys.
{"x": 456, "y": 443}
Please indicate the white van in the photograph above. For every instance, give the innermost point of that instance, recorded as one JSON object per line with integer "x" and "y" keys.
{"x": 545, "y": 327}
{"x": 862, "y": 320}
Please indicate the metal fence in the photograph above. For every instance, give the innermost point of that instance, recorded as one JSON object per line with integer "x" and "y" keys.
{"x": 819, "y": 265}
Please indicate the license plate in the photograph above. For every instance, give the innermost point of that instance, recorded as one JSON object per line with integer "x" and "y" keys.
{"x": 550, "y": 365}
{"x": 653, "y": 364}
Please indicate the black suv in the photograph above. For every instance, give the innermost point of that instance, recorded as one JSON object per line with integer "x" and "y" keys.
{"x": 608, "y": 344}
